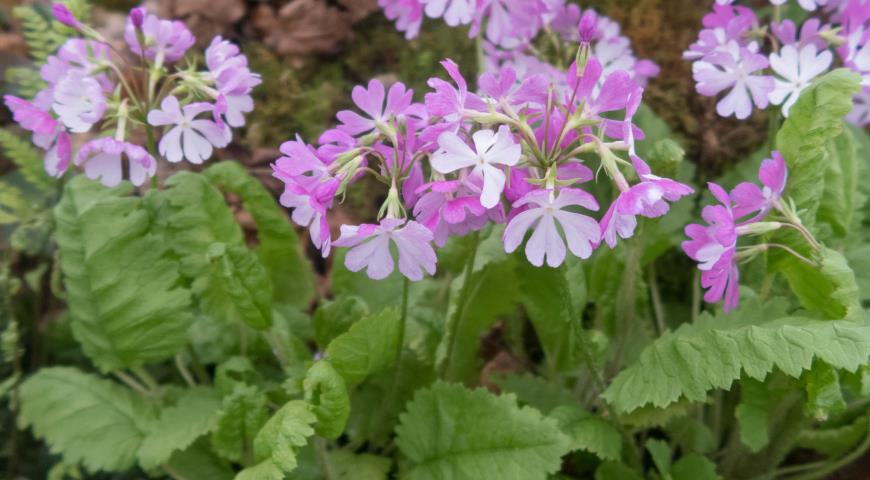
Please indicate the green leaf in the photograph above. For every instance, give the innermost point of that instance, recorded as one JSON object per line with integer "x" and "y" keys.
{"x": 88, "y": 420}
{"x": 482, "y": 306}
{"x": 830, "y": 290}
{"x": 660, "y": 453}
{"x": 554, "y": 299}
{"x": 813, "y": 121}
{"x": 240, "y": 417}
{"x": 839, "y": 198}
{"x": 350, "y": 466}
{"x": 238, "y": 276}
{"x": 715, "y": 351}
{"x": 369, "y": 346}
{"x": 121, "y": 286}
{"x": 334, "y": 317}
{"x": 198, "y": 461}
{"x": 588, "y": 432}
{"x": 325, "y": 390}
{"x": 39, "y": 32}
{"x": 279, "y": 247}
{"x": 616, "y": 471}
{"x": 449, "y": 431}
{"x": 694, "y": 467}
{"x": 824, "y": 395}
{"x": 536, "y": 392}
{"x": 283, "y": 435}
{"x": 835, "y": 441}
{"x": 266, "y": 470}
{"x": 753, "y": 414}
{"x": 229, "y": 279}
{"x": 691, "y": 435}
{"x": 179, "y": 426}
{"x": 377, "y": 294}
{"x": 27, "y": 158}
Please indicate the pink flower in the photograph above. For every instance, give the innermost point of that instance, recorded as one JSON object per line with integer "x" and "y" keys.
{"x": 30, "y": 117}
{"x": 101, "y": 159}
{"x": 748, "y": 198}
{"x": 408, "y": 15}
{"x": 233, "y": 80}
{"x": 190, "y": 138}
{"x": 370, "y": 248}
{"x": 546, "y": 208}
{"x": 490, "y": 149}
{"x": 502, "y": 87}
{"x": 509, "y": 23}
{"x": 79, "y": 101}
{"x": 714, "y": 248}
{"x": 371, "y": 101}
{"x": 137, "y": 16}
{"x": 454, "y": 12}
{"x": 165, "y": 40}
{"x": 448, "y": 101}
{"x": 63, "y": 15}
{"x": 649, "y": 198}
{"x": 734, "y": 69}
{"x": 444, "y": 206}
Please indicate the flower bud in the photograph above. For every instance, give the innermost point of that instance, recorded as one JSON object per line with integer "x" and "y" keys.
{"x": 137, "y": 17}
{"x": 758, "y": 228}
{"x": 587, "y": 27}
{"x": 63, "y": 15}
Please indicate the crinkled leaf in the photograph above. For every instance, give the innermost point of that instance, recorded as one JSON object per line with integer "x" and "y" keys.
{"x": 838, "y": 203}
{"x": 281, "y": 437}
{"x": 715, "y": 351}
{"x": 88, "y": 420}
{"x": 691, "y": 435}
{"x": 660, "y": 453}
{"x": 837, "y": 440}
{"x": 369, "y": 346}
{"x": 279, "y": 246}
{"x": 179, "y": 425}
{"x": 240, "y": 417}
{"x": 230, "y": 280}
{"x": 815, "y": 119}
{"x": 351, "y": 466}
{"x": 534, "y": 391}
{"x": 198, "y": 461}
{"x": 616, "y": 471}
{"x": 589, "y": 432}
{"x": 830, "y": 290}
{"x": 449, "y": 431}
{"x": 325, "y": 390}
{"x": 122, "y": 289}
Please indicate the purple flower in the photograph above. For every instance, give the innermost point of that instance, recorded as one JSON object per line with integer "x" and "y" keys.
{"x": 454, "y": 12}
{"x": 797, "y": 70}
{"x": 63, "y": 15}
{"x": 78, "y": 101}
{"x": 588, "y": 27}
{"x": 448, "y": 101}
{"x": 165, "y": 40}
{"x": 490, "y": 149}
{"x": 371, "y": 101}
{"x": 502, "y": 87}
{"x": 509, "y": 23}
{"x": 649, "y": 198}
{"x": 734, "y": 69}
{"x": 370, "y": 248}
{"x": 714, "y": 247}
{"x": 445, "y": 205}
{"x": 408, "y": 15}
{"x": 101, "y": 159}
{"x": 748, "y": 198}
{"x": 234, "y": 81}
{"x": 190, "y": 138}
{"x": 860, "y": 114}
{"x": 546, "y": 208}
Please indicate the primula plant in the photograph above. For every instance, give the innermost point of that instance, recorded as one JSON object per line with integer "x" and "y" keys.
{"x": 543, "y": 286}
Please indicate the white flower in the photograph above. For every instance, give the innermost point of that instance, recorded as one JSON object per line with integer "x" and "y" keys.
{"x": 491, "y": 149}
{"x": 191, "y": 138}
{"x": 78, "y": 101}
{"x": 797, "y": 69}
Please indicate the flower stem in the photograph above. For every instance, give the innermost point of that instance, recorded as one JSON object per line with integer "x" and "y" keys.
{"x": 834, "y": 465}
{"x": 453, "y": 327}
{"x": 182, "y": 369}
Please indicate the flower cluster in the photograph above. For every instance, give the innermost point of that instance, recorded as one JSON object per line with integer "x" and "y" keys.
{"x": 517, "y": 152}
{"x": 760, "y": 61}
{"x": 92, "y": 89}
{"x": 509, "y": 28}
{"x": 742, "y": 212}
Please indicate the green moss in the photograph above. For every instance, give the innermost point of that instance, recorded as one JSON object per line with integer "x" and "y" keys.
{"x": 304, "y": 99}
